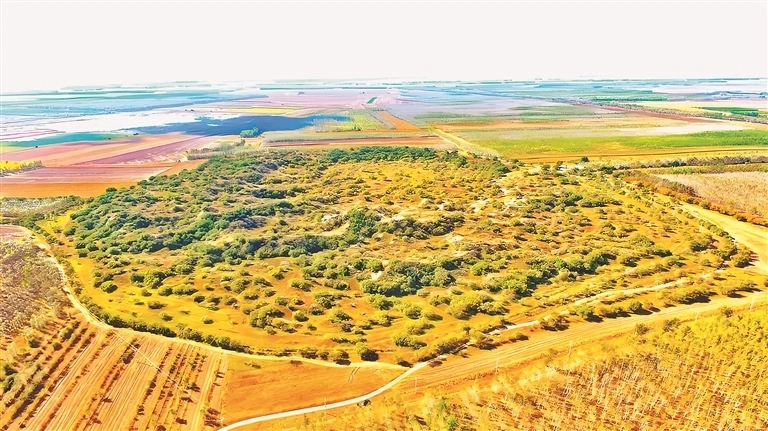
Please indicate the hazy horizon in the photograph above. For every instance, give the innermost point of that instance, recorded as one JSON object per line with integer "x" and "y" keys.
{"x": 260, "y": 42}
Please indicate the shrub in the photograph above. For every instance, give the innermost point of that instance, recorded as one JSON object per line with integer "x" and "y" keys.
{"x": 108, "y": 286}
{"x": 641, "y": 329}
{"x": 166, "y": 317}
{"x": 65, "y": 333}
{"x": 155, "y": 305}
{"x": 207, "y": 320}
{"x": 411, "y": 311}
{"x": 365, "y": 352}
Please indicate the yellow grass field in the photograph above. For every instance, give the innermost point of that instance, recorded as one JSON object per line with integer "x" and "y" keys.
{"x": 265, "y": 110}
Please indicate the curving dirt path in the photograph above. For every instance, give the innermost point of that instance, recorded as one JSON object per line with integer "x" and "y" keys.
{"x": 437, "y": 373}
{"x": 338, "y": 404}
{"x": 506, "y": 355}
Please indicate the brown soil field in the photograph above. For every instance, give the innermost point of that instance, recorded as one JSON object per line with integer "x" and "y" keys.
{"x": 48, "y": 190}
{"x": 189, "y": 164}
{"x": 399, "y": 123}
{"x": 168, "y": 152}
{"x": 167, "y": 147}
{"x": 86, "y": 174}
{"x": 293, "y": 385}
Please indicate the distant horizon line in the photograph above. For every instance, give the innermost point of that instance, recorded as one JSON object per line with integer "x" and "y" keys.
{"x": 369, "y": 81}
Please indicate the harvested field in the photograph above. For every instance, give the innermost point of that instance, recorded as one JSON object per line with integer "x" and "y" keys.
{"x": 164, "y": 148}
{"x": 84, "y": 181}
{"x": 430, "y": 141}
{"x": 397, "y": 123}
{"x": 701, "y": 105}
{"x": 169, "y": 152}
{"x": 617, "y": 155}
{"x": 48, "y": 190}
{"x": 107, "y": 382}
{"x": 630, "y": 121}
{"x": 189, "y": 164}
{"x": 733, "y": 189}
{"x": 270, "y": 110}
{"x": 293, "y": 385}
{"x": 85, "y": 174}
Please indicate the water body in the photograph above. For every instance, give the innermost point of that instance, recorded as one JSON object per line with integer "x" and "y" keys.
{"x": 233, "y": 126}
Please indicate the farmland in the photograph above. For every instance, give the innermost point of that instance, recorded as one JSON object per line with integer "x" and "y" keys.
{"x": 498, "y": 242}
{"x": 617, "y": 145}
{"x": 732, "y": 189}
{"x": 332, "y": 282}
{"x": 60, "y": 371}
{"x": 86, "y": 375}
{"x": 652, "y": 375}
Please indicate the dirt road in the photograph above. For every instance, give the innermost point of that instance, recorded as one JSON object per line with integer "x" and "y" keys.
{"x": 752, "y": 236}
{"x": 456, "y": 367}
{"x": 348, "y": 402}
{"x": 465, "y": 146}
{"x": 438, "y": 373}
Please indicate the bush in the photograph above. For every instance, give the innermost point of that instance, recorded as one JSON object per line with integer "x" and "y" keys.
{"x": 65, "y": 333}
{"x": 641, "y": 329}
{"x": 108, "y": 286}
{"x": 207, "y": 320}
{"x": 155, "y": 305}
{"x": 365, "y": 352}
{"x": 166, "y": 317}
{"x": 411, "y": 311}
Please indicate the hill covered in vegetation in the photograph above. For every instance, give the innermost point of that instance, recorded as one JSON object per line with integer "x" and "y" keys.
{"x": 406, "y": 252}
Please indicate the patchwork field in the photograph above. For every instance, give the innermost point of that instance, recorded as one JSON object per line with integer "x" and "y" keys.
{"x": 329, "y": 279}
{"x": 497, "y": 248}
{"x": 167, "y": 148}
{"x": 750, "y": 106}
{"x": 82, "y": 180}
{"x": 733, "y": 189}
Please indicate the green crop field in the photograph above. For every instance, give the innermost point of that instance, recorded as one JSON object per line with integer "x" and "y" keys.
{"x": 750, "y": 112}
{"x": 612, "y": 143}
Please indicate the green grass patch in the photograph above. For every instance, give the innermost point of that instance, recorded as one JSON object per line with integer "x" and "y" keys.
{"x": 734, "y": 110}
{"x": 8, "y": 146}
{"x": 591, "y": 144}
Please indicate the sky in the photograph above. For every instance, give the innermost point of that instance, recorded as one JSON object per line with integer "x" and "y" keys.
{"x": 48, "y": 45}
